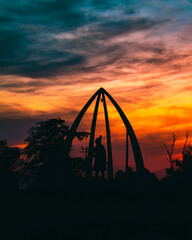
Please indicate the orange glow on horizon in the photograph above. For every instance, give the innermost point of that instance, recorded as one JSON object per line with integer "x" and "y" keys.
{"x": 22, "y": 146}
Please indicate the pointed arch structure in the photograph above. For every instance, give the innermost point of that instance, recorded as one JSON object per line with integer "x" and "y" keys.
{"x": 129, "y": 133}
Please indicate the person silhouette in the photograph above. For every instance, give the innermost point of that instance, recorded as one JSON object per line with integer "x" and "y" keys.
{"x": 100, "y": 158}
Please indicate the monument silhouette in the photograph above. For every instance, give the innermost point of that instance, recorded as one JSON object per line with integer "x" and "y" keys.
{"x": 129, "y": 134}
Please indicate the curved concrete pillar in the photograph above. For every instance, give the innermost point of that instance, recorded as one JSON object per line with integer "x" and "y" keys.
{"x": 109, "y": 148}
{"x": 127, "y": 152}
{"x": 92, "y": 137}
{"x": 134, "y": 143}
{"x": 75, "y": 125}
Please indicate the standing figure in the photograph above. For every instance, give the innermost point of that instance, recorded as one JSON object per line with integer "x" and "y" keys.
{"x": 100, "y": 158}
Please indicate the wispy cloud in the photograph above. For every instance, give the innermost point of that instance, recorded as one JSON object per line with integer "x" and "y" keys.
{"x": 32, "y": 47}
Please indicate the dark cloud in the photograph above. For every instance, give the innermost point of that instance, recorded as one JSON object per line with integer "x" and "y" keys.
{"x": 28, "y": 47}
{"x": 18, "y": 111}
{"x": 113, "y": 28}
{"x": 23, "y": 87}
{"x": 7, "y": 111}
{"x": 10, "y": 41}
{"x": 47, "y": 12}
{"x": 35, "y": 69}
{"x": 50, "y": 38}
{"x": 24, "y": 50}
{"x": 166, "y": 57}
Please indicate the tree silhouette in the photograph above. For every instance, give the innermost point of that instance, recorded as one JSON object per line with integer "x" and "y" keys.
{"x": 169, "y": 158}
{"x": 170, "y": 152}
{"x": 8, "y": 162}
{"x": 176, "y": 164}
{"x": 187, "y": 152}
{"x": 186, "y": 162}
{"x": 45, "y": 150}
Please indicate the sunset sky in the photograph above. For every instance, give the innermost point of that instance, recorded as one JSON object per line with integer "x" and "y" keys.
{"x": 55, "y": 54}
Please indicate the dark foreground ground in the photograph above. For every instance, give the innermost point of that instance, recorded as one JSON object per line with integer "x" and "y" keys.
{"x": 97, "y": 211}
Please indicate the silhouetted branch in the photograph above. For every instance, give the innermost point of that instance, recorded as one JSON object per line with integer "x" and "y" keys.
{"x": 170, "y": 153}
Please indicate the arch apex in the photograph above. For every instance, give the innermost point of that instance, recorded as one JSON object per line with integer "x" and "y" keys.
{"x": 101, "y": 89}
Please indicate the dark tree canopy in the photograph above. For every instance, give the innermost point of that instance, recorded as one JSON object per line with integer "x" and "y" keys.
{"x": 45, "y": 148}
{"x": 47, "y": 139}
